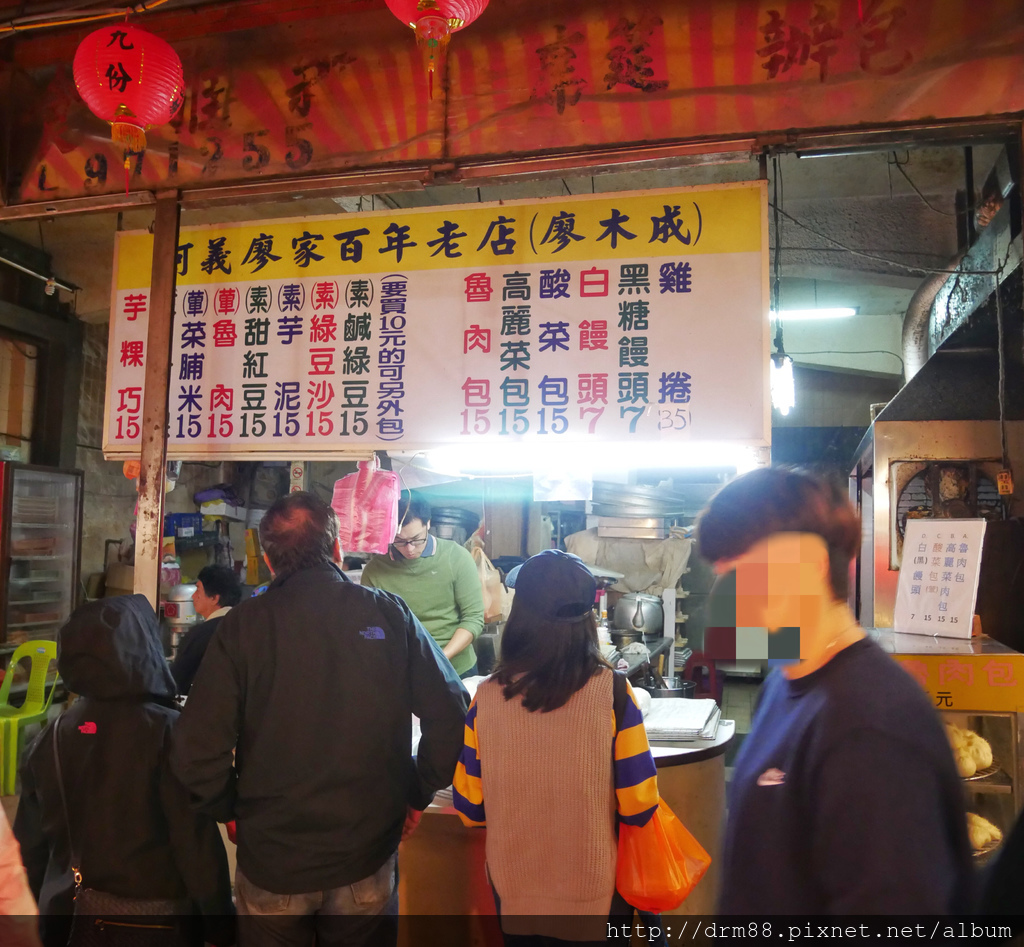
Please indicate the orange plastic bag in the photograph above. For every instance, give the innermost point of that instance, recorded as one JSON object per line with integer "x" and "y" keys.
{"x": 660, "y": 863}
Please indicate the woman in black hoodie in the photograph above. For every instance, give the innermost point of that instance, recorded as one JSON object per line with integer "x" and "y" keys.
{"x": 131, "y": 825}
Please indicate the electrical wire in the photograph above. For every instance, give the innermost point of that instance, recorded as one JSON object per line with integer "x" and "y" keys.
{"x": 853, "y": 352}
{"x": 24, "y": 354}
{"x": 1002, "y": 387}
{"x": 777, "y": 257}
{"x": 22, "y": 24}
{"x": 924, "y": 270}
{"x": 899, "y": 167}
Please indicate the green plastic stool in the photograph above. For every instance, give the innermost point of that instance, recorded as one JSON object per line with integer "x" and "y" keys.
{"x": 33, "y": 710}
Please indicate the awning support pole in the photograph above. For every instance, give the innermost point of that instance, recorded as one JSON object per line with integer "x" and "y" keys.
{"x": 149, "y": 531}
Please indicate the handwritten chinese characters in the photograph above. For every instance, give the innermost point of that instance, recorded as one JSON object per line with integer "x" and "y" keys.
{"x": 939, "y": 578}
{"x": 790, "y": 45}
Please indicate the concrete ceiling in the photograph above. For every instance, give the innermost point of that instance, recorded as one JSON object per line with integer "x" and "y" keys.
{"x": 861, "y": 236}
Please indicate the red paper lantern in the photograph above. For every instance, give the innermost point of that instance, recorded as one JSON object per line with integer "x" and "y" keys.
{"x": 131, "y": 79}
{"x": 434, "y": 21}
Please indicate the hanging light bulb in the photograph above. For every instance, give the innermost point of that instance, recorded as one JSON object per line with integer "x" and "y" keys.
{"x": 781, "y": 377}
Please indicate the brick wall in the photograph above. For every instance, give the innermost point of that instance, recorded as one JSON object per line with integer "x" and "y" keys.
{"x": 109, "y": 497}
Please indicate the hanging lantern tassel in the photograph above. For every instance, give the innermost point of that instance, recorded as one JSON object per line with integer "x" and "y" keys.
{"x": 434, "y": 21}
{"x": 125, "y": 130}
{"x": 433, "y": 33}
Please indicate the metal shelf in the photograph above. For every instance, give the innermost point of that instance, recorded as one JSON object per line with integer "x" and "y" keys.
{"x": 17, "y": 558}
{"x": 999, "y": 782}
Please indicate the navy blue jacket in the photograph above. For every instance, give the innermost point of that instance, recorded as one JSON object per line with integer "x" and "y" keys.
{"x": 845, "y": 799}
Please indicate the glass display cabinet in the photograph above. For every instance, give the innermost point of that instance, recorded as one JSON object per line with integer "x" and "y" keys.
{"x": 40, "y": 545}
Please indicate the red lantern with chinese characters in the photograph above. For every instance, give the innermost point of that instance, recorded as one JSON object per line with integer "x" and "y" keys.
{"x": 434, "y": 21}
{"x": 130, "y": 78}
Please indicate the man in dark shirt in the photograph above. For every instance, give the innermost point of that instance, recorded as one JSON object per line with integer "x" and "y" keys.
{"x": 844, "y": 798}
{"x": 315, "y": 683}
{"x": 217, "y": 592}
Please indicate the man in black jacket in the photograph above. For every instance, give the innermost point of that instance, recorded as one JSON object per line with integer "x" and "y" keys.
{"x": 312, "y": 686}
{"x": 217, "y": 592}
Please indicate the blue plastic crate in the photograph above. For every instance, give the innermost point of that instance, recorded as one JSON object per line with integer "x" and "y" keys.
{"x": 184, "y": 525}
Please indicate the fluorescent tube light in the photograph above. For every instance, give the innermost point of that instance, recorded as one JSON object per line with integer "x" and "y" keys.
{"x": 791, "y": 315}
{"x": 831, "y": 154}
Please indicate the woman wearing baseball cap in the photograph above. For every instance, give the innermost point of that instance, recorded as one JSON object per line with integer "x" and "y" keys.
{"x": 555, "y": 753}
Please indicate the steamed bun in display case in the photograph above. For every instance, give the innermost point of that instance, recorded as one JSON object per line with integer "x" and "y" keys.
{"x": 971, "y": 752}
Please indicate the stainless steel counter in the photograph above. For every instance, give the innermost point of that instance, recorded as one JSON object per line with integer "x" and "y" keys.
{"x": 895, "y": 643}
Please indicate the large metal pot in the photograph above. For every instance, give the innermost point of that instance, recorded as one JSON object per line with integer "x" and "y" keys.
{"x": 640, "y": 613}
{"x": 673, "y": 688}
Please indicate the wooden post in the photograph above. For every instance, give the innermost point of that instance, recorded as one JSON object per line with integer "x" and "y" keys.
{"x": 150, "y": 528}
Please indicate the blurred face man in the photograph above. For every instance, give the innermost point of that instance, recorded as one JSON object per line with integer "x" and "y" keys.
{"x": 779, "y": 582}
{"x": 411, "y": 538}
{"x": 775, "y": 602}
{"x": 205, "y": 604}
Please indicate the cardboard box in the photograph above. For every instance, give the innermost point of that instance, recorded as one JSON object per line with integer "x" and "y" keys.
{"x": 120, "y": 580}
{"x": 222, "y": 508}
{"x": 256, "y": 571}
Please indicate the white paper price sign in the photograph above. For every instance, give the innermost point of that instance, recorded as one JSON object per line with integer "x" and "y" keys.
{"x": 939, "y": 577}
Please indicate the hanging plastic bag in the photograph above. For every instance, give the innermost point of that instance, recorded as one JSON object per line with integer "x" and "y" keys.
{"x": 367, "y": 506}
{"x": 659, "y": 863}
{"x": 496, "y": 596}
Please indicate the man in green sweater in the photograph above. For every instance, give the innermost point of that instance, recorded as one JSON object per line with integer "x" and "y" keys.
{"x": 437, "y": 579}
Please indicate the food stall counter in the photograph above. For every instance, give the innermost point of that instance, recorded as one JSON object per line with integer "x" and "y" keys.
{"x": 442, "y": 863}
{"x": 691, "y": 780}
